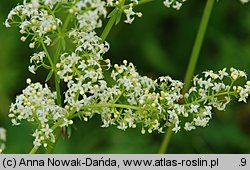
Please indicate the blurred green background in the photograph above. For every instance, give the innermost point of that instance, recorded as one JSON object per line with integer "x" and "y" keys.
{"x": 159, "y": 43}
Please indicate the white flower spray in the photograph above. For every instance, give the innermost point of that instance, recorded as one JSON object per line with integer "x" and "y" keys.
{"x": 131, "y": 100}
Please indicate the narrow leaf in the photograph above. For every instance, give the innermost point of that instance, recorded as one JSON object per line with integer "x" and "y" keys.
{"x": 118, "y": 18}
{"x": 49, "y": 75}
{"x": 112, "y": 13}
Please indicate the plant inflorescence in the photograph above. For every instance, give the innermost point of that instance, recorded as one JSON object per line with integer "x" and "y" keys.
{"x": 130, "y": 100}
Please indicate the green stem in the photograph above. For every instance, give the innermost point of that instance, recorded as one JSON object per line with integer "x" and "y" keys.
{"x": 58, "y": 90}
{"x": 124, "y": 106}
{"x": 47, "y": 53}
{"x": 33, "y": 150}
{"x": 197, "y": 45}
{"x": 112, "y": 20}
{"x": 166, "y": 140}
{"x": 57, "y": 55}
{"x": 108, "y": 27}
{"x": 57, "y": 81}
{"x": 192, "y": 63}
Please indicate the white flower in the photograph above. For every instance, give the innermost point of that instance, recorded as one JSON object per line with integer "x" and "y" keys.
{"x": 47, "y": 131}
{"x": 176, "y": 4}
{"x": 168, "y": 3}
{"x": 176, "y": 129}
{"x": 122, "y": 126}
{"x": 47, "y": 40}
{"x": 32, "y": 45}
{"x": 189, "y": 126}
{"x": 207, "y": 111}
{"x": 207, "y": 83}
{"x": 32, "y": 69}
{"x": 23, "y": 38}
{"x": 223, "y": 73}
{"x": 38, "y": 57}
{"x": 66, "y": 122}
{"x": 216, "y": 87}
{"x": 200, "y": 121}
{"x": 129, "y": 12}
{"x": 28, "y": 81}
{"x": 192, "y": 89}
{"x": 244, "y": 93}
{"x": 194, "y": 108}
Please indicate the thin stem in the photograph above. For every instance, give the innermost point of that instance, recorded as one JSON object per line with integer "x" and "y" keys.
{"x": 57, "y": 54}
{"x": 197, "y": 45}
{"x": 47, "y": 53}
{"x": 110, "y": 24}
{"x": 166, "y": 140}
{"x": 33, "y": 150}
{"x": 108, "y": 105}
{"x": 58, "y": 50}
{"x": 113, "y": 18}
{"x": 108, "y": 27}
{"x": 212, "y": 96}
{"x": 57, "y": 81}
{"x": 58, "y": 90}
{"x": 192, "y": 63}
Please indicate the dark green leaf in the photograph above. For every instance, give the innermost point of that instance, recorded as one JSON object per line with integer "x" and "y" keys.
{"x": 63, "y": 44}
{"x": 114, "y": 12}
{"x": 55, "y": 41}
{"x": 49, "y": 75}
{"x": 118, "y": 18}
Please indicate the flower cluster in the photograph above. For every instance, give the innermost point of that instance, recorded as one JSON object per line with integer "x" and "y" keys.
{"x": 130, "y": 14}
{"x": 88, "y": 13}
{"x": 211, "y": 92}
{"x": 37, "y": 104}
{"x": 128, "y": 8}
{"x": 37, "y": 59}
{"x": 2, "y": 139}
{"x": 155, "y": 104}
{"x": 128, "y": 99}
{"x": 176, "y": 4}
{"x": 35, "y": 18}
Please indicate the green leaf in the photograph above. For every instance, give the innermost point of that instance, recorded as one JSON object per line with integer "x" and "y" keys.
{"x": 114, "y": 12}
{"x": 55, "y": 41}
{"x": 49, "y": 75}
{"x": 63, "y": 42}
{"x": 118, "y": 18}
